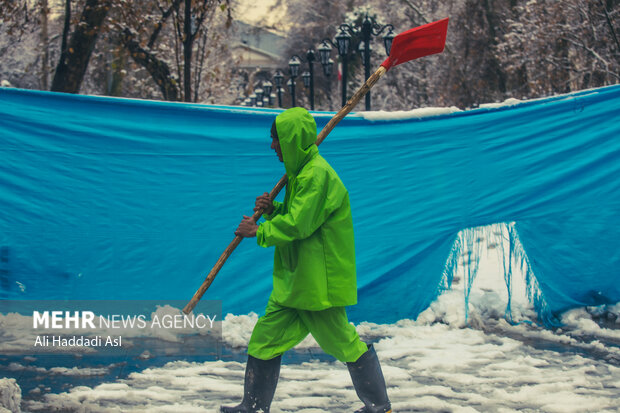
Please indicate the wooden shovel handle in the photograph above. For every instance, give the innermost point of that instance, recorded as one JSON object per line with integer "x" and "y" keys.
{"x": 281, "y": 183}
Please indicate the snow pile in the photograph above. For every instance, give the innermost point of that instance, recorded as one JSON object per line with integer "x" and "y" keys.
{"x": 407, "y": 114}
{"x": 451, "y": 358}
{"x": 429, "y": 111}
{"x": 428, "y": 367}
{"x": 62, "y": 371}
{"x": 580, "y": 321}
{"x": 10, "y": 396}
{"x": 507, "y": 102}
{"x": 443, "y": 361}
{"x": 236, "y": 330}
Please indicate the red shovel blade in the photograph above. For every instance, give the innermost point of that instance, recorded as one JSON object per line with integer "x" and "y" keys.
{"x": 417, "y": 42}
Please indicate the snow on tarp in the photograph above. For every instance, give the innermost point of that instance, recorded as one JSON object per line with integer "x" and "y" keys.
{"x": 106, "y": 198}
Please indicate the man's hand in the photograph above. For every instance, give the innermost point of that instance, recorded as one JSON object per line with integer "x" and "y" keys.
{"x": 264, "y": 202}
{"x": 247, "y": 228}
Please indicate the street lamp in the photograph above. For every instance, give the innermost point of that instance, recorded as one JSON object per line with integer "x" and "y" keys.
{"x": 277, "y": 78}
{"x": 259, "y": 94}
{"x": 293, "y": 65}
{"x": 267, "y": 86}
{"x": 325, "y": 51}
{"x": 362, "y": 50}
{"x": 307, "y": 76}
{"x": 343, "y": 40}
{"x": 387, "y": 40}
{"x": 310, "y": 58}
{"x": 368, "y": 29}
{"x": 328, "y": 68}
{"x": 291, "y": 90}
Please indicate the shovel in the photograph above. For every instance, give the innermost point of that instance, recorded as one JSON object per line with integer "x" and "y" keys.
{"x": 414, "y": 43}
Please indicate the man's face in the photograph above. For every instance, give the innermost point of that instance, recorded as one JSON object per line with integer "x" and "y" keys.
{"x": 275, "y": 145}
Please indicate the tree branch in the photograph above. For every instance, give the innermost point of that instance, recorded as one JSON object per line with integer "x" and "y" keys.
{"x": 164, "y": 16}
{"x": 158, "y": 69}
{"x": 611, "y": 26}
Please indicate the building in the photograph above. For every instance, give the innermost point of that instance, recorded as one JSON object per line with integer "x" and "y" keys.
{"x": 257, "y": 47}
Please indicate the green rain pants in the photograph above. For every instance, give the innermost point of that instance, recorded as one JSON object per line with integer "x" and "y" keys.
{"x": 282, "y": 328}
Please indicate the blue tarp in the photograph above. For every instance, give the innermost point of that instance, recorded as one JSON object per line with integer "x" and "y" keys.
{"x": 106, "y": 198}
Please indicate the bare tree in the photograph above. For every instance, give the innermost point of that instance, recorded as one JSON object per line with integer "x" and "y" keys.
{"x": 75, "y": 57}
{"x": 176, "y": 48}
{"x": 151, "y": 41}
{"x": 563, "y": 46}
{"x": 190, "y": 27}
{"x": 135, "y": 23}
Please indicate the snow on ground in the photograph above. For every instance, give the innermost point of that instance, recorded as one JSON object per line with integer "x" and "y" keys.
{"x": 381, "y": 115}
{"x": 428, "y": 367}
{"x": 441, "y": 362}
{"x": 10, "y": 396}
{"x": 407, "y": 114}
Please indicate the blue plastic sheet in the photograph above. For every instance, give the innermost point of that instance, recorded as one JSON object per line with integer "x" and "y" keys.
{"x": 106, "y": 198}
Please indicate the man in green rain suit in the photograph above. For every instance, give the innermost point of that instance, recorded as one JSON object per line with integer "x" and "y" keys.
{"x": 314, "y": 271}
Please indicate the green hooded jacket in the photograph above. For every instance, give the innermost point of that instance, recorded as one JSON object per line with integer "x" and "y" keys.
{"x": 312, "y": 230}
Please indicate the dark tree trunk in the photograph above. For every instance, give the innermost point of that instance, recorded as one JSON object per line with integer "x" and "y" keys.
{"x": 67, "y": 28}
{"x": 45, "y": 45}
{"x": 609, "y": 5}
{"x": 187, "y": 51}
{"x": 159, "y": 70}
{"x": 494, "y": 68}
{"x": 74, "y": 60}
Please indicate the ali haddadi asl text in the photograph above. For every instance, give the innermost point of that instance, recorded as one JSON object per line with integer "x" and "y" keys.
{"x": 78, "y": 341}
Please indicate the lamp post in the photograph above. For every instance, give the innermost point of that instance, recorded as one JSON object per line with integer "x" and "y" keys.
{"x": 343, "y": 40}
{"x": 308, "y": 83}
{"x": 291, "y": 89}
{"x": 277, "y": 78}
{"x": 308, "y": 76}
{"x": 259, "y": 95}
{"x": 310, "y": 58}
{"x": 293, "y": 65}
{"x": 267, "y": 87}
{"x": 325, "y": 51}
{"x": 368, "y": 29}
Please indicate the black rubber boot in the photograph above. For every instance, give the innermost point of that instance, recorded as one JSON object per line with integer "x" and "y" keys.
{"x": 369, "y": 383}
{"x": 261, "y": 378}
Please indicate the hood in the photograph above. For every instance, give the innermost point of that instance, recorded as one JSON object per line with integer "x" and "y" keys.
{"x": 297, "y": 134}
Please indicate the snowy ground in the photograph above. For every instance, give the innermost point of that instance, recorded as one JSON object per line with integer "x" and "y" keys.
{"x": 438, "y": 363}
